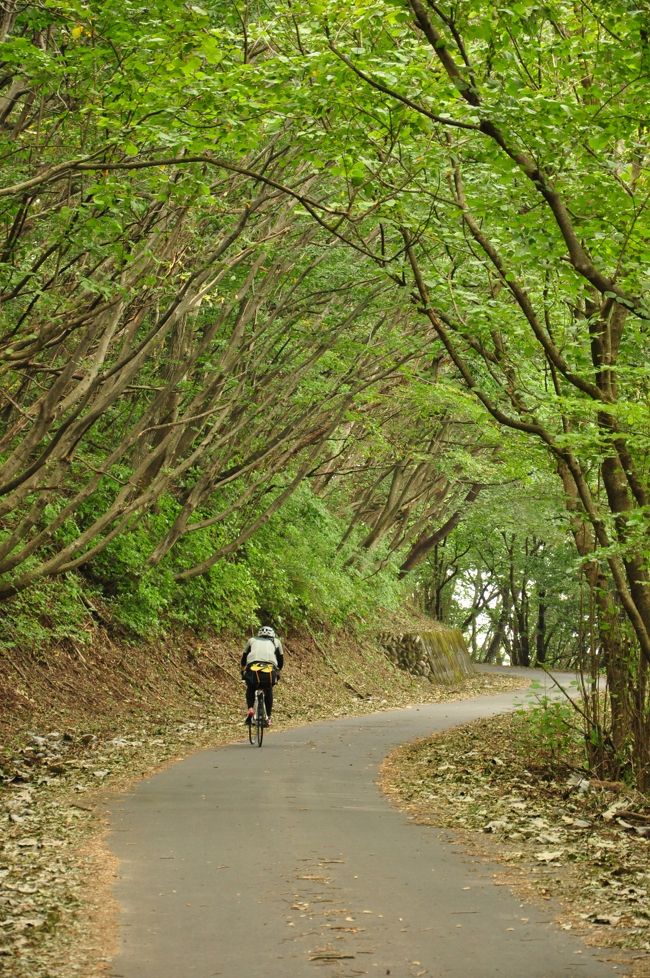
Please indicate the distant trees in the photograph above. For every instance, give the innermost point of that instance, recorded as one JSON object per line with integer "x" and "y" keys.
{"x": 509, "y": 576}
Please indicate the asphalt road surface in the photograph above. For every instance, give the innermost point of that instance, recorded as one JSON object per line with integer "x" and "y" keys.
{"x": 287, "y": 862}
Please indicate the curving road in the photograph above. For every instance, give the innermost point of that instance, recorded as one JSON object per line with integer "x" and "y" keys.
{"x": 287, "y": 862}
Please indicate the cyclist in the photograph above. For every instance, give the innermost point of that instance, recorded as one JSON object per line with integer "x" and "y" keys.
{"x": 261, "y": 665}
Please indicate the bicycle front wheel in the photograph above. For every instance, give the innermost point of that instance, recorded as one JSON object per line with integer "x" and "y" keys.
{"x": 251, "y": 729}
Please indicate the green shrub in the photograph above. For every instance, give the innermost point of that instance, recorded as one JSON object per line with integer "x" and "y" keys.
{"x": 147, "y": 601}
{"x": 51, "y": 611}
{"x": 550, "y": 730}
{"x": 304, "y": 578}
{"x": 291, "y": 572}
{"x": 223, "y": 599}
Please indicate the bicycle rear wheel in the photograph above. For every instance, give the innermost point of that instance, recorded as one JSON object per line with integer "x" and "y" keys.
{"x": 251, "y": 729}
{"x": 260, "y": 717}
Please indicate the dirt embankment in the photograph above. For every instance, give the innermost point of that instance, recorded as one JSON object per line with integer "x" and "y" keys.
{"x": 78, "y": 722}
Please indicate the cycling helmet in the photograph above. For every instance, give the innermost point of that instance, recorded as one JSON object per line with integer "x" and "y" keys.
{"x": 266, "y": 632}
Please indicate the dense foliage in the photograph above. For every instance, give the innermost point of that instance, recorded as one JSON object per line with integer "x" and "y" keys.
{"x": 290, "y": 290}
{"x": 290, "y": 573}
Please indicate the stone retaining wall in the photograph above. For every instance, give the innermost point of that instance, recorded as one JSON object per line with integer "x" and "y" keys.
{"x": 440, "y": 655}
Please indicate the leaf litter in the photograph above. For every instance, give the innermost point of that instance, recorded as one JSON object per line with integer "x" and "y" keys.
{"x": 57, "y": 918}
{"x": 563, "y": 834}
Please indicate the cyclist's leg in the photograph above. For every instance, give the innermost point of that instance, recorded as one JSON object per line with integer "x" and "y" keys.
{"x": 251, "y": 683}
{"x": 268, "y": 693}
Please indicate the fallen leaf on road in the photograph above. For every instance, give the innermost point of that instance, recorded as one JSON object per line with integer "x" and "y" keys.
{"x": 331, "y": 957}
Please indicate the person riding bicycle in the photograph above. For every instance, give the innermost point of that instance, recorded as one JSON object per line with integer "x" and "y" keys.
{"x": 261, "y": 665}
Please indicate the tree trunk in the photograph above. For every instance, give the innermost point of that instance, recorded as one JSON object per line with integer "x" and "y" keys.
{"x": 498, "y": 635}
{"x": 522, "y": 627}
{"x": 425, "y": 543}
{"x": 540, "y": 630}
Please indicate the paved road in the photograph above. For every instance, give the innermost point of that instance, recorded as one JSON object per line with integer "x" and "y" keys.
{"x": 286, "y": 862}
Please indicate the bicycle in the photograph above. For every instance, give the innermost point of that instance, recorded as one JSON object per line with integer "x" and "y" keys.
{"x": 259, "y": 720}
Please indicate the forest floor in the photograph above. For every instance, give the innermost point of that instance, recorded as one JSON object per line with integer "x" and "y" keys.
{"x": 79, "y": 724}
{"x": 557, "y": 834}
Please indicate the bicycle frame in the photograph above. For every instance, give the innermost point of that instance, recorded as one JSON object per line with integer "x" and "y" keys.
{"x": 258, "y": 720}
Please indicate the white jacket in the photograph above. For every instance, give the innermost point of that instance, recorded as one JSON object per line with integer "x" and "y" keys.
{"x": 261, "y": 650}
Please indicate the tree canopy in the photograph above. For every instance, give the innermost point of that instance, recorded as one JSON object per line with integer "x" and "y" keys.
{"x": 350, "y": 269}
